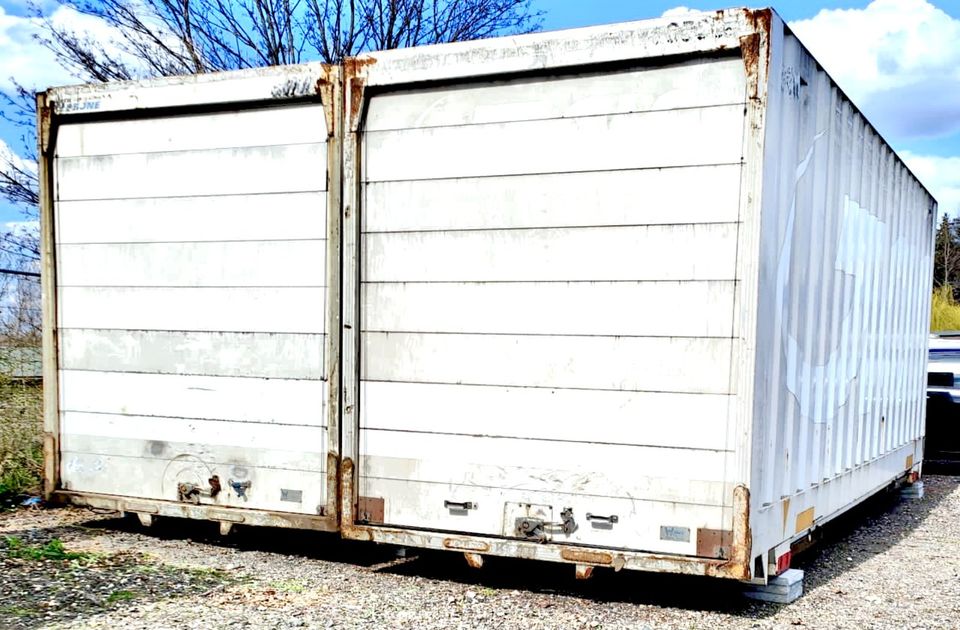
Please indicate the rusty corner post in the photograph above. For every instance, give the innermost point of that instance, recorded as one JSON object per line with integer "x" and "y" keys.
{"x": 755, "y": 50}
{"x": 738, "y": 565}
{"x": 353, "y": 83}
{"x": 328, "y": 87}
{"x": 46, "y": 137}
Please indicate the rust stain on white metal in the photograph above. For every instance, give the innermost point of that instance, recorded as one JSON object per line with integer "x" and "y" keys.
{"x": 572, "y": 554}
{"x": 739, "y": 564}
{"x": 475, "y": 560}
{"x": 584, "y": 571}
{"x": 465, "y": 543}
{"x": 266, "y": 518}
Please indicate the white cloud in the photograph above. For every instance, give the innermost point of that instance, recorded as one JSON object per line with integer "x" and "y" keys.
{"x": 678, "y": 12}
{"x": 22, "y": 228}
{"x": 9, "y": 156}
{"x": 22, "y": 58}
{"x": 899, "y": 60}
{"x": 941, "y": 175}
{"x": 25, "y": 60}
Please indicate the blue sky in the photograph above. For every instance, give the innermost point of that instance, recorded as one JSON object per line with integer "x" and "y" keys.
{"x": 899, "y": 60}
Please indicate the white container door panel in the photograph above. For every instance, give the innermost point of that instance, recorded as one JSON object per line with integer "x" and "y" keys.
{"x": 192, "y": 319}
{"x": 548, "y": 278}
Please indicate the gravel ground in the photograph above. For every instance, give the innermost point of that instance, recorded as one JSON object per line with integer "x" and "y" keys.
{"x": 888, "y": 564}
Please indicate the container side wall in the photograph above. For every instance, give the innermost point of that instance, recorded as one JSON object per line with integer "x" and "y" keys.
{"x": 845, "y": 285}
{"x": 192, "y": 293}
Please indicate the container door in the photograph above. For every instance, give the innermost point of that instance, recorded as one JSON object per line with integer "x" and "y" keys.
{"x": 191, "y": 267}
{"x": 548, "y": 276}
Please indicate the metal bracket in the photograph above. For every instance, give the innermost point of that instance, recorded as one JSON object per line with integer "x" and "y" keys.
{"x": 569, "y": 525}
{"x": 460, "y": 506}
{"x": 536, "y": 529}
{"x": 531, "y": 529}
{"x": 240, "y": 488}
{"x": 191, "y": 492}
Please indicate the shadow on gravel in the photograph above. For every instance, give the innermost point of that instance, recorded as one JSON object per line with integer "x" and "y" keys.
{"x": 867, "y": 530}
{"x": 942, "y": 467}
{"x": 288, "y": 542}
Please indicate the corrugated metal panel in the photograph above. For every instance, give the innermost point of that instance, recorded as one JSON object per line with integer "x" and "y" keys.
{"x": 842, "y": 332}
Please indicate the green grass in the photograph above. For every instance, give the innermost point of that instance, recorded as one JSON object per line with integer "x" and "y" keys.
{"x": 16, "y": 611}
{"x": 21, "y": 450}
{"x": 944, "y": 310}
{"x": 53, "y": 550}
{"x": 120, "y": 596}
{"x": 289, "y": 586}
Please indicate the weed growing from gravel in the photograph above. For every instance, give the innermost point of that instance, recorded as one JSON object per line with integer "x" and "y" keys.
{"x": 53, "y": 550}
{"x": 16, "y": 611}
{"x": 120, "y": 596}
{"x": 289, "y": 586}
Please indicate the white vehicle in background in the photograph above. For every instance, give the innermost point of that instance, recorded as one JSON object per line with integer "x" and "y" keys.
{"x": 943, "y": 398}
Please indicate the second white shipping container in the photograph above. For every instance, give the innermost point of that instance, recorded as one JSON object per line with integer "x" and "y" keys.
{"x": 650, "y": 295}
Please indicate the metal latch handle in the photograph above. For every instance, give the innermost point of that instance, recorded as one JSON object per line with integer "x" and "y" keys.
{"x": 464, "y": 505}
{"x": 613, "y": 518}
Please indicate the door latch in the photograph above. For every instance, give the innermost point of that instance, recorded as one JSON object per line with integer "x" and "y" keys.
{"x": 536, "y": 529}
{"x": 191, "y": 492}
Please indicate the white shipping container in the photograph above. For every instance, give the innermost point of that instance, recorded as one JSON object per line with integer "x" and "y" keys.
{"x": 649, "y": 295}
{"x": 191, "y": 286}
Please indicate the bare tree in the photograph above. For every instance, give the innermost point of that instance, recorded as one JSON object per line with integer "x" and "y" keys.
{"x": 151, "y": 38}
{"x": 170, "y": 37}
